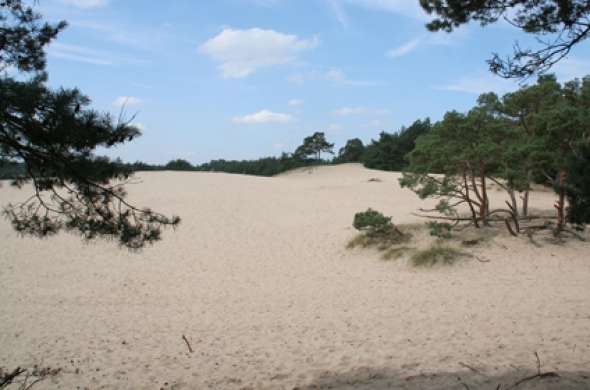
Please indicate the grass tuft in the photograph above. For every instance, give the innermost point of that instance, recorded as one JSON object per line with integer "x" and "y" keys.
{"x": 396, "y": 252}
{"x": 437, "y": 254}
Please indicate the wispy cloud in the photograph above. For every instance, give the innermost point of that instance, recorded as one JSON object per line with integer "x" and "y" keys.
{"x": 404, "y": 49}
{"x": 127, "y": 101}
{"x": 261, "y": 117}
{"x": 359, "y": 110}
{"x": 333, "y": 75}
{"x": 296, "y": 102}
{"x": 90, "y": 56}
{"x": 431, "y": 39}
{"x": 86, "y": 4}
{"x": 409, "y": 8}
{"x": 79, "y": 54}
{"x": 243, "y": 52}
{"x": 480, "y": 83}
{"x": 133, "y": 38}
{"x": 339, "y": 12}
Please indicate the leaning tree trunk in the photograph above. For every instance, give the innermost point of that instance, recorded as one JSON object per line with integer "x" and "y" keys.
{"x": 483, "y": 210}
{"x": 468, "y": 199}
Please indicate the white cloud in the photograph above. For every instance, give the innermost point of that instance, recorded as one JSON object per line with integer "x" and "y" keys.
{"x": 405, "y": 48}
{"x": 242, "y": 52}
{"x": 86, "y": 3}
{"x": 334, "y": 127}
{"x": 126, "y": 101}
{"x": 296, "y": 102}
{"x": 264, "y": 116}
{"x": 359, "y": 110}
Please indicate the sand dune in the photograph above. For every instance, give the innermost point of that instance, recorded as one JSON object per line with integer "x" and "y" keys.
{"x": 258, "y": 279}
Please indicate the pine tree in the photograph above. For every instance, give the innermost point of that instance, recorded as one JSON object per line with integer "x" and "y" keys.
{"x": 54, "y": 135}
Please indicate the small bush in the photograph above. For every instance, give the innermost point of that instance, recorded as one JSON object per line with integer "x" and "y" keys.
{"x": 436, "y": 254}
{"x": 372, "y": 222}
{"x": 377, "y": 230}
{"x": 440, "y": 230}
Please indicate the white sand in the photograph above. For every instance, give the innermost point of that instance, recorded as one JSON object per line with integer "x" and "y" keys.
{"x": 259, "y": 280}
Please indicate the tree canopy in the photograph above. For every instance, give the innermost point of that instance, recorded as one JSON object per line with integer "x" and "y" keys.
{"x": 539, "y": 131}
{"x": 314, "y": 146}
{"x": 54, "y": 134}
{"x": 389, "y": 151}
{"x": 351, "y": 152}
{"x": 562, "y": 24}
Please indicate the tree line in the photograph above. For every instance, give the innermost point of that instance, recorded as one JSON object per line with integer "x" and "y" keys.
{"x": 48, "y": 137}
{"x": 537, "y": 134}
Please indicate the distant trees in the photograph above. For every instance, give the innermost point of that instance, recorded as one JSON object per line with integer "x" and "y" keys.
{"x": 389, "y": 152}
{"x": 566, "y": 22}
{"x": 511, "y": 141}
{"x": 179, "y": 165}
{"x": 267, "y": 166}
{"x": 51, "y": 136}
{"x": 313, "y": 146}
{"x": 353, "y": 151}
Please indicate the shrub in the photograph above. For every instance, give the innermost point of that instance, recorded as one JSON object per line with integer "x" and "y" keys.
{"x": 440, "y": 230}
{"x": 376, "y": 230}
{"x": 372, "y": 222}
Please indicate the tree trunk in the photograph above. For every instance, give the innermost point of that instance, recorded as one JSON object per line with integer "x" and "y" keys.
{"x": 483, "y": 210}
{"x": 514, "y": 203}
{"x": 468, "y": 199}
{"x": 560, "y": 205}
{"x": 526, "y": 197}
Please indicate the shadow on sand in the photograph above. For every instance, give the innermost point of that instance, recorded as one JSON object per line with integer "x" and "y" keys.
{"x": 470, "y": 379}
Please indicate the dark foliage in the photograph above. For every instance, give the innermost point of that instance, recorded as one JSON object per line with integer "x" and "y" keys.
{"x": 51, "y": 136}
{"x": 179, "y": 165}
{"x": 562, "y": 23}
{"x": 267, "y": 166}
{"x": 313, "y": 147}
{"x": 11, "y": 169}
{"x": 351, "y": 152}
{"x": 23, "y": 36}
{"x": 389, "y": 152}
{"x": 578, "y": 189}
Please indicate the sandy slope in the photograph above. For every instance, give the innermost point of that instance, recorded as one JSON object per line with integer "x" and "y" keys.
{"x": 258, "y": 279}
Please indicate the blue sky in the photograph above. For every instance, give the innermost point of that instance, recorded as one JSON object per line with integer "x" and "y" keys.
{"x": 240, "y": 79}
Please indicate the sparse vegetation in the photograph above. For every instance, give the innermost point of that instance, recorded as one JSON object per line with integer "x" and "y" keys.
{"x": 396, "y": 252}
{"x": 437, "y": 255}
{"x": 377, "y": 231}
{"x": 440, "y": 229}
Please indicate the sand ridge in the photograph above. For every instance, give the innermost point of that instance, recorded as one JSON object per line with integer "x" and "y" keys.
{"x": 258, "y": 279}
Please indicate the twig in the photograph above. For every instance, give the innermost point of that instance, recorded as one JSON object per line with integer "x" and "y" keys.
{"x": 538, "y": 375}
{"x": 187, "y": 344}
{"x": 470, "y": 367}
